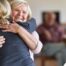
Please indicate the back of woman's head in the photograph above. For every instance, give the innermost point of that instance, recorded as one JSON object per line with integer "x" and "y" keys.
{"x": 5, "y": 9}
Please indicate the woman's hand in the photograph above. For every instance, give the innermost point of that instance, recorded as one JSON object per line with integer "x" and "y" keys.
{"x": 28, "y": 38}
{"x": 2, "y": 41}
{"x": 12, "y": 27}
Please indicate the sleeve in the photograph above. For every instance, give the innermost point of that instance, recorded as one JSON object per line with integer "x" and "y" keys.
{"x": 29, "y": 25}
{"x": 39, "y": 43}
{"x": 62, "y": 32}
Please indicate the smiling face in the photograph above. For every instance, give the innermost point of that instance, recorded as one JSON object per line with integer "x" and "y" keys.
{"x": 20, "y": 12}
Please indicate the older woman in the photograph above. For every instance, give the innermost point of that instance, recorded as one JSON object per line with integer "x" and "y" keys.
{"x": 22, "y": 13}
{"x": 19, "y": 50}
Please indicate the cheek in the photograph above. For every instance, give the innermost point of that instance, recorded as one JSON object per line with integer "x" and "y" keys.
{"x": 26, "y": 16}
{"x": 14, "y": 13}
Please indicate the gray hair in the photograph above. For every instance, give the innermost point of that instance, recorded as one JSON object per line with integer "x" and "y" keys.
{"x": 18, "y": 2}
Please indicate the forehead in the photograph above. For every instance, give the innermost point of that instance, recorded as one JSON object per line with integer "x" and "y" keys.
{"x": 50, "y": 14}
{"x": 20, "y": 6}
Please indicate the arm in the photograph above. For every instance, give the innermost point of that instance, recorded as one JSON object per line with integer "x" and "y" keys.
{"x": 29, "y": 39}
{"x": 39, "y": 43}
{"x": 62, "y": 31}
{"x": 46, "y": 35}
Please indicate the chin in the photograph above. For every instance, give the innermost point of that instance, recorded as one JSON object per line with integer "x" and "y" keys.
{"x": 19, "y": 20}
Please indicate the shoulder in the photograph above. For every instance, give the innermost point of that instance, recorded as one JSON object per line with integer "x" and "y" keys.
{"x": 32, "y": 20}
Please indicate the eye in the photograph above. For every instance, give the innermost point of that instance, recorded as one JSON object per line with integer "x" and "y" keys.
{"x": 16, "y": 10}
{"x": 24, "y": 12}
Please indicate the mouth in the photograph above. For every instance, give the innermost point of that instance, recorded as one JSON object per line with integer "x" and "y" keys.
{"x": 20, "y": 20}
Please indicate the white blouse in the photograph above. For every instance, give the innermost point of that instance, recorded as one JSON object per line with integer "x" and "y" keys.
{"x": 39, "y": 47}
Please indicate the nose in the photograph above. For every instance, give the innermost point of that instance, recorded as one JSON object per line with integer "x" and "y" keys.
{"x": 20, "y": 13}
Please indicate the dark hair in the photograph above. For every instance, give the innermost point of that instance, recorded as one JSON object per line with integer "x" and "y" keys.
{"x": 56, "y": 13}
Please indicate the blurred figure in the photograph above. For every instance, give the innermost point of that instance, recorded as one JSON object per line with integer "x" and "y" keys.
{"x": 52, "y": 34}
{"x": 48, "y": 27}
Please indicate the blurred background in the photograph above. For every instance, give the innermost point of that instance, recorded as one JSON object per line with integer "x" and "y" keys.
{"x": 39, "y": 8}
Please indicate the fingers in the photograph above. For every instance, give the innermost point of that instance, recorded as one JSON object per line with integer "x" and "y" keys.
{"x": 5, "y": 26}
{"x": 2, "y": 40}
{"x": 6, "y": 30}
{"x": 1, "y": 46}
{"x": 10, "y": 28}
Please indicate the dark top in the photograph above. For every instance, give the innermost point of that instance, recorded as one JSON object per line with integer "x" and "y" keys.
{"x": 15, "y": 50}
{"x": 55, "y": 31}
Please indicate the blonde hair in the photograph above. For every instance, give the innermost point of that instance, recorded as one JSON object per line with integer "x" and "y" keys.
{"x": 5, "y": 8}
{"x": 5, "y": 11}
{"x": 14, "y": 3}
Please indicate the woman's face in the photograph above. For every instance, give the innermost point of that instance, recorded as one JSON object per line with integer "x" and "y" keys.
{"x": 50, "y": 18}
{"x": 20, "y": 12}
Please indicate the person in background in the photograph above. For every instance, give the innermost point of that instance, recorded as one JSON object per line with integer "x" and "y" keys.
{"x": 52, "y": 34}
